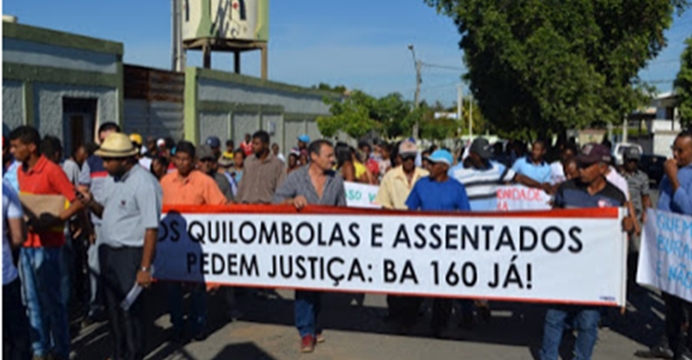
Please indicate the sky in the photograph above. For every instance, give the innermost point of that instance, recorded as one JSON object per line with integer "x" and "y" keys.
{"x": 358, "y": 43}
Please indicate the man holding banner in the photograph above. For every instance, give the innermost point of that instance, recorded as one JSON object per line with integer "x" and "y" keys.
{"x": 439, "y": 192}
{"x": 590, "y": 190}
{"x": 394, "y": 190}
{"x": 316, "y": 184}
{"x": 675, "y": 198}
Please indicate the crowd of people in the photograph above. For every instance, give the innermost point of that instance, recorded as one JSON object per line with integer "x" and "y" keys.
{"x": 103, "y": 241}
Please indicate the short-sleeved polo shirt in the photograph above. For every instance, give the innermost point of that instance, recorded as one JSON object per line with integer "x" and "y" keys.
{"x": 197, "y": 188}
{"x": 395, "y": 188}
{"x": 539, "y": 172}
{"x": 574, "y": 194}
{"x": 45, "y": 178}
{"x": 132, "y": 205}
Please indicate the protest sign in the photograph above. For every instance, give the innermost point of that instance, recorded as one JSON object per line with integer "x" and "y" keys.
{"x": 519, "y": 197}
{"x": 360, "y": 195}
{"x": 666, "y": 252}
{"x": 559, "y": 256}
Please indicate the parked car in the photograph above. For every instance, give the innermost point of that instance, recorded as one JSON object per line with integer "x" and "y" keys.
{"x": 652, "y": 165}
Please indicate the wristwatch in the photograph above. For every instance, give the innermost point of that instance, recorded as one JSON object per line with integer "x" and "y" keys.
{"x": 145, "y": 268}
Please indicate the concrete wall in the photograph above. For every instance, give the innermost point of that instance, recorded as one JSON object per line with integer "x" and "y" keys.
{"x": 12, "y": 105}
{"x": 42, "y": 68}
{"x": 230, "y": 105}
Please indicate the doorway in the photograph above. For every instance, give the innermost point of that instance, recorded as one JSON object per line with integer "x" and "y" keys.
{"x": 79, "y": 122}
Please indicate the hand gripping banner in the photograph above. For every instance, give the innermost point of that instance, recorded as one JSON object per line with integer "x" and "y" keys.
{"x": 558, "y": 256}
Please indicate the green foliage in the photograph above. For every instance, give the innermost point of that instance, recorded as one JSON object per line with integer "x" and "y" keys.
{"x": 548, "y": 65}
{"x": 341, "y": 89}
{"x": 683, "y": 85}
{"x": 359, "y": 113}
{"x": 352, "y": 115}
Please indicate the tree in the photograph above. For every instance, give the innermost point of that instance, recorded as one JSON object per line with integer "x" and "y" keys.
{"x": 341, "y": 89}
{"x": 683, "y": 85}
{"x": 549, "y": 65}
{"x": 352, "y": 115}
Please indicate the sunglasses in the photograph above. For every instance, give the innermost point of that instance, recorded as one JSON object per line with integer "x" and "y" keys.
{"x": 408, "y": 157}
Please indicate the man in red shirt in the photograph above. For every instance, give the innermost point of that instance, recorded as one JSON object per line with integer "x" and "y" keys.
{"x": 40, "y": 257}
{"x": 246, "y": 145}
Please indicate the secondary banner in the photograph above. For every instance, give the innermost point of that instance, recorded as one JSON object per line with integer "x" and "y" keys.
{"x": 560, "y": 256}
{"x": 519, "y": 197}
{"x": 665, "y": 259}
{"x": 509, "y": 197}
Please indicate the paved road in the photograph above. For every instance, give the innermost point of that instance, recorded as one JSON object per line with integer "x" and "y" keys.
{"x": 355, "y": 330}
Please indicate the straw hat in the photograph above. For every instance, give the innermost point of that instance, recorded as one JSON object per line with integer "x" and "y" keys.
{"x": 116, "y": 145}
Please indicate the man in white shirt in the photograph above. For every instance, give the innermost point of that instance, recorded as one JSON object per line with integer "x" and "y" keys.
{"x": 15, "y": 325}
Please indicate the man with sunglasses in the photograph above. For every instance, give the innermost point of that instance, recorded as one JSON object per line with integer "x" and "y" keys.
{"x": 394, "y": 190}
{"x": 207, "y": 163}
{"x": 589, "y": 190}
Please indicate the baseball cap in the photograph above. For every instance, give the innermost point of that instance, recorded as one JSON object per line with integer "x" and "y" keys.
{"x": 592, "y": 153}
{"x": 482, "y": 148}
{"x": 304, "y": 138}
{"x": 204, "y": 152}
{"x": 632, "y": 153}
{"x": 408, "y": 148}
{"x": 161, "y": 142}
{"x": 441, "y": 156}
{"x": 213, "y": 141}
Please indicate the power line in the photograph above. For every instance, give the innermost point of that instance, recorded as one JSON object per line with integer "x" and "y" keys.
{"x": 446, "y": 67}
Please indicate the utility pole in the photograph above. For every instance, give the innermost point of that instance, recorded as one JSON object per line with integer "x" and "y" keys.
{"x": 178, "y": 53}
{"x": 419, "y": 65}
{"x": 460, "y": 99}
{"x": 470, "y": 119}
{"x": 625, "y": 129}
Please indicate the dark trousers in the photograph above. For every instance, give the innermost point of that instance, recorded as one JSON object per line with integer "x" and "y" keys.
{"x": 403, "y": 309}
{"x": 15, "y": 324}
{"x": 119, "y": 267}
{"x": 677, "y": 312}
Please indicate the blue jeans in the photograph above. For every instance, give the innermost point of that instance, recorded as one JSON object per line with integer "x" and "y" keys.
{"x": 307, "y": 307}
{"x": 197, "y": 316}
{"x": 585, "y": 321}
{"x": 41, "y": 273}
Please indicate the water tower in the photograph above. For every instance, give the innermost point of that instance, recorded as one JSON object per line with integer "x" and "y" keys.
{"x": 220, "y": 25}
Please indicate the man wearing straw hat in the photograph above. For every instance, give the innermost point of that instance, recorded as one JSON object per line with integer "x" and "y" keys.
{"x": 130, "y": 213}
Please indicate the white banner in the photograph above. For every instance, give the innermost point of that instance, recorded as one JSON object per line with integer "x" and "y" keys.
{"x": 519, "y": 197}
{"x": 561, "y": 256}
{"x": 361, "y": 195}
{"x": 665, "y": 258}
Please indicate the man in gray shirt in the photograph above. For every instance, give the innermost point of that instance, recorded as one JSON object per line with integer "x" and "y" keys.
{"x": 130, "y": 212}
{"x": 314, "y": 184}
{"x": 206, "y": 163}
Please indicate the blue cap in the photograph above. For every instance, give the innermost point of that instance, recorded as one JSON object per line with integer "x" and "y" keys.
{"x": 213, "y": 141}
{"x": 304, "y": 138}
{"x": 441, "y": 156}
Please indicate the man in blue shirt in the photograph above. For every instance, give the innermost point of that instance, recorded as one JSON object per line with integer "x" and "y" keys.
{"x": 439, "y": 192}
{"x": 533, "y": 165}
{"x": 675, "y": 197}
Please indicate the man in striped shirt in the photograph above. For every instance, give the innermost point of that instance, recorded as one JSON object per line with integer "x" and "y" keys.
{"x": 481, "y": 176}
